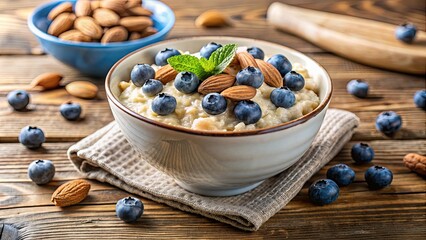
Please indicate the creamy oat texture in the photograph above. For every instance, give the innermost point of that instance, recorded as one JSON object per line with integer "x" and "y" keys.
{"x": 190, "y": 114}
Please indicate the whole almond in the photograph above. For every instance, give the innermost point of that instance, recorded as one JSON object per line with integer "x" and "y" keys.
{"x": 106, "y": 17}
{"x": 118, "y": 6}
{"x": 212, "y": 18}
{"x": 88, "y": 26}
{"x": 246, "y": 60}
{"x": 270, "y": 73}
{"x": 61, "y": 8}
{"x": 62, "y": 23}
{"x": 75, "y": 36}
{"x": 216, "y": 83}
{"x": 166, "y": 74}
{"x": 239, "y": 93}
{"x": 148, "y": 32}
{"x": 139, "y": 11}
{"x": 95, "y": 4}
{"x": 82, "y": 89}
{"x": 83, "y": 8}
{"x": 416, "y": 163}
{"x": 71, "y": 193}
{"x": 136, "y": 24}
{"x": 133, "y": 3}
{"x": 115, "y": 34}
{"x": 47, "y": 80}
{"x": 135, "y": 36}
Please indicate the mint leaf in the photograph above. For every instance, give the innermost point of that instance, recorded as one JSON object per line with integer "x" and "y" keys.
{"x": 222, "y": 57}
{"x": 187, "y": 63}
{"x": 207, "y": 65}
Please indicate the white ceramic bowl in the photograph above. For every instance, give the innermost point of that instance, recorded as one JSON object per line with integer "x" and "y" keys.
{"x": 217, "y": 163}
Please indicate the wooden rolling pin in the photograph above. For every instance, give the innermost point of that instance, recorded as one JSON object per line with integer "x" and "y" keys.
{"x": 365, "y": 41}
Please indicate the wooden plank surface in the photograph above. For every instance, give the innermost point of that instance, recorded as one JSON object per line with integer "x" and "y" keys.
{"x": 397, "y": 212}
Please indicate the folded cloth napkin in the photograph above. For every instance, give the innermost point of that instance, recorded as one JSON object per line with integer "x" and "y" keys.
{"x": 107, "y": 157}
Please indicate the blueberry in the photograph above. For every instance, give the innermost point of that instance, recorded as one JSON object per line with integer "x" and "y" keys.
{"x": 283, "y": 97}
{"x": 281, "y": 63}
{"x": 41, "y": 171}
{"x": 162, "y": 56}
{"x": 250, "y": 76}
{"x": 186, "y": 82}
{"x": 388, "y": 122}
{"x": 362, "y": 153}
{"x": 358, "y": 88}
{"x": 141, "y": 73}
{"x": 378, "y": 177}
{"x": 323, "y": 191}
{"x": 294, "y": 81}
{"x": 31, "y": 137}
{"x": 18, "y": 99}
{"x": 256, "y": 52}
{"x": 248, "y": 112}
{"x": 129, "y": 209}
{"x": 207, "y": 50}
{"x": 152, "y": 87}
{"x": 406, "y": 32}
{"x": 341, "y": 174}
{"x": 214, "y": 104}
{"x": 164, "y": 104}
{"x": 70, "y": 111}
{"x": 420, "y": 99}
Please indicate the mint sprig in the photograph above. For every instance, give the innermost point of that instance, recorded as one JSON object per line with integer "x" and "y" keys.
{"x": 202, "y": 67}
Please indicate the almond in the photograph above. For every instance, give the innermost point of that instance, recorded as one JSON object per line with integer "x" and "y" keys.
{"x": 216, "y": 83}
{"x": 83, "y": 8}
{"x": 118, "y": 6}
{"x": 115, "y": 34}
{"x": 88, "y": 26}
{"x": 135, "y": 36}
{"x": 166, "y": 74}
{"x": 139, "y": 11}
{"x": 62, "y": 23}
{"x": 47, "y": 80}
{"x": 212, "y": 18}
{"x": 75, "y": 36}
{"x": 61, "y": 8}
{"x": 246, "y": 60}
{"x": 416, "y": 163}
{"x": 71, "y": 193}
{"x": 148, "y": 32}
{"x": 136, "y": 24}
{"x": 239, "y": 93}
{"x": 82, "y": 89}
{"x": 133, "y": 3}
{"x": 270, "y": 73}
{"x": 106, "y": 17}
{"x": 95, "y": 4}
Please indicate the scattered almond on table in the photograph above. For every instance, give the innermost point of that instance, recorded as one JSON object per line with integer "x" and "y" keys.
{"x": 416, "y": 163}
{"x": 211, "y": 19}
{"x": 71, "y": 193}
{"x": 101, "y": 21}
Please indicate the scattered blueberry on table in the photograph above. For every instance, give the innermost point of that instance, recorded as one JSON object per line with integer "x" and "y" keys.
{"x": 358, "y": 88}
{"x": 323, "y": 191}
{"x": 162, "y": 56}
{"x": 294, "y": 81}
{"x": 388, "y": 122}
{"x": 152, "y": 87}
{"x": 141, "y": 73}
{"x": 378, "y": 177}
{"x": 18, "y": 99}
{"x": 341, "y": 174}
{"x": 129, "y": 209}
{"x": 250, "y": 76}
{"x": 283, "y": 97}
{"x": 406, "y": 32}
{"x": 362, "y": 153}
{"x": 281, "y": 63}
{"x": 41, "y": 171}
{"x": 420, "y": 99}
{"x": 31, "y": 137}
{"x": 186, "y": 82}
{"x": 164, "y": 104}
{"x": 70, "y": 111}
{"x": 256, "y": 52}
{"x": 207, "y": 50}
{"x": 214, "y": 104}
{"x": 248, "y": 112}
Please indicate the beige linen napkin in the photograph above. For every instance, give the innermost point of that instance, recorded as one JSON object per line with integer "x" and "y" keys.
{"x": 107, "y": 157}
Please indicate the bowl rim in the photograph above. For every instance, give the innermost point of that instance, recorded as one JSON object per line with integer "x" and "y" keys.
{"x": 39, "y": 33}
{"x": 259, "y": 131}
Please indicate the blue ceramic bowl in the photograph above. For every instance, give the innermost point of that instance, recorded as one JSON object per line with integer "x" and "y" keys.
{"x": 95, "y": 59}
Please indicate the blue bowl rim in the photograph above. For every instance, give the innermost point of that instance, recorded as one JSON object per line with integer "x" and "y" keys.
{"x": 36, "y": 31}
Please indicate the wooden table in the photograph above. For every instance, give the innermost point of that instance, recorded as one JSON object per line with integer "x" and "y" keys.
{"x": 396, "y": 212}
